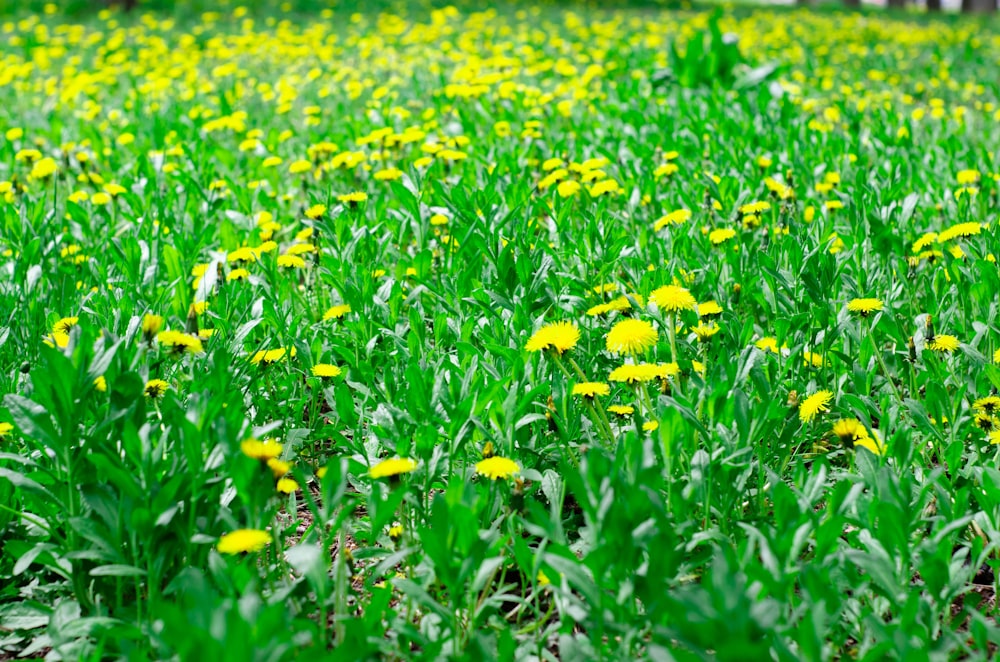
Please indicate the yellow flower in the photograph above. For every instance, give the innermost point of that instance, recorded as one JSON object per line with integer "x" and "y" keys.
{"x": 180, "y": 342}
{"x": 242, "y": 541}
{"x": 814, "y": 404}
{"x": 924, "y": 241}
{"x": 672, "y": 299}
{"x": 392, "y": 467}
{"x": 5, "y": 429}
{"x": 996, "y": 356}
{"x": 990, "y": 404}
{"x": 943, "y": 343}
{"x": 278, "y": 467}
{"x": 709, "y": 309}
{"x": 769, "y": 344}
{"x": 720, "y": 235}
{"x": 155, "y": 388}
{"x": 336, "y": 312}
{"x": 649, "y": 426}
{"x": 65, "y": 324}
{"x": 675, "y": 217}
{"x": 287, "y": 486}
{"x": 995, "y": 437}
{"x": 621, "y": 410}
{"x": 558, "y": 336}
{"x": 44, "y": 168}
{"x": 849, "y": 431}
{"x": 151, "y": 325}
{"x": 353, "y": 198}
{"x": 325, "y": 370}
{"x": 61, "y": 340}
{"x": 864, "y": 307}
{"x": 497, "y": 467}
{"x": 291, "y": 262}
{"x": 813, "y": 359}
{"x": 872, "y": 443}
{"x": 643, "y": 372}
{"x": 315, "y": 211}
{"x": 270, "y": 356}
{"x": 101, "y": 384}
{"x": 268, "y": 449}
{"x": 961, "y": 230}
{"x": 631, "y": 336}
{"x": 591, "y": 390}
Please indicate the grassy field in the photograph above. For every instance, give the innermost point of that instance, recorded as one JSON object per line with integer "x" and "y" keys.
{"x": 527, "y": 333}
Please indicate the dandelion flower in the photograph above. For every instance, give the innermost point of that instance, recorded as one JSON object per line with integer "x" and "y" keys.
{"x": 650, "y": 426}
{"x": 101, "y": 384}
{"x": 709, "y": 309}
{"x": 622, "y": 411}
{"x": 65, "y": 324}
{"x": 558, "y": 336}
{"x": 990, "y": 404}
{"x": 943, "y": 343}
{"x": 849, "y": 431}
{"x": 995, "y": 437}
{"x": 287, "y": 486}
{"x": 392, "y": 467}
{"x": 325, "y": 370}
{"x": 631, "y": 336}
{"x": 5, "y": 429}
{"x": 590, "y": 390}
{"x": 269, "y": 449}
{"x": 814, "y": 404}
{"x": 180, "y": 342}
{"x": 278, "y": 467}
{"x": 720, "y": 235}
{"x": 242, "y": 541}
{"x": 155, "y": 388}
{"x": 672, "y": 299}
{"x": 643, "y": 372}
{"x": 704, "y": 332}
{"x": 864, "y": 307}
{"x": 960, "y": 230}
{"x": 336, "y": 312}
{"x": 872, "y": 443}
{"x": 673, "y": 218}
{"x": 497, "y": 467}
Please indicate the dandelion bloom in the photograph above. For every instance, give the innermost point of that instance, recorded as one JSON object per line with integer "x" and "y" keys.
{"x": 814, "y": 404}
{"x": 180, "y": 342}
{"x": 849, "y": 431}
{"x": 996, "y": 356}
{"x": 990, "y": 404}
{"x": 5, "y": 429}
{"x": 943, "y": 343}
{"x": 864, "y": 307}
{"x": 392, "y": 467}
{"x": 325, "y": 370}
{"x": 278, "y": 467}
{"x": 960, "y": 230}
{"x": 353, "y": 198}
{"x": 709, "y": 309}
{"x": 291, "y": 262}
{"x": 872, "y": 443}
{"x": 267, "y": 357}
{"x": 768, "y": 344}
{"x": 995, "y": 437}
{"x": 268, "y": 449}
{"x": 101, "y": 384}
{"x": 336, "y": 312}
{"x": 287, "y": 486}
{"x": 673, "y": 298}
{"x": 590, "y": 390}
{"x": 497, "y": 467}
{"x": 559, "y": 336}
{"x": 650, "y": 426}
{"x": 621, "y": 410}
{"x": 721, "y": 235}
{"x": 813, "y": 359}
{"x": 155, "y": 388}
{"x": 242, "y": 541}
{"x": 673, "y": 218}
{"x": 631, "y": 337}
{"x": 704, "y": 332}
{"x": 643, "y": 372}
{"x": 65, "y": 324}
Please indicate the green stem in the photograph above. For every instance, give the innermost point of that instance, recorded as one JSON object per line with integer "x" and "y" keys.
{"x": 881, "y": 362}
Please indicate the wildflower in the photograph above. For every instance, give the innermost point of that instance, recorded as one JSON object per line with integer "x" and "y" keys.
{"x": 278, "y": 467}
{"x": 672, "y": 299}
{"x": 709, "y": 309}
{"x": 65, "y": 324}
{"x": 392, "y": 467}
{"x": 631, "y": 337}
{"x": 325, "y": 370}
{"x": 336, "y": 312}
{"x": 543, "y": 579}
{"x": 924, "y": 241}
{"x": 872, "y": 443}
{"x": 180, "y": 342}
{"x": 755, "y": 207}
{"x": 943, "y": 343}
{"x": 644, "y": 372}
{"x": 291, "y": 262}
{"x": 270, "y": 356}
{"x": 44, "y": 168}
{"x": 768, "y": 344}
{"x": 497, "y": 467}
{"x": 57, "y": 339}
{"x": 995, "y": 437}
{"x": 568, "y": 188}
{"x": 316, "y": 211}
{"x": 5, "y": 429}
{"x": 621, "y": 410}
{"x": 849, "y": 431}
{"x": 396, "y": 532}
{"x": 353, "y": 199}
{"x": 559, "y": 336}
{"x": 590, "y": 390}
{"x": 287, "y": 486}
{"x": 813, "y": 359}
{"x": 961, "y": 230}
{"x": 650, "y": 426}
{"x": 989, "y": 405}
{"x": 704, "y": 332}
{"x": 673, "y": 218}
{"x": 237, "y": 275}
{"x": 814, "y": 404}
{"x": 268, "y": 449}
{"x": 101, "y": 384}
{"x": 721, "y": 235}
{"x": 967, "y": 177}
{"x": 242, "y": 541}
{"x": 864, "y": 307}
{"x": 985, "y": 421}
{"x": 155, "y": 388}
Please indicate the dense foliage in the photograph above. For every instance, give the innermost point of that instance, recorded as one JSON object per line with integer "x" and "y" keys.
{"x": 521, "y": 333}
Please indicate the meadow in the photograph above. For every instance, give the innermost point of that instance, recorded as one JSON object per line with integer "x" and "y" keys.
{"x": 535, "y": 332}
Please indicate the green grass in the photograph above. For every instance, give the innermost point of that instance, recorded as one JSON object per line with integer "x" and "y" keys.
{"x": 719, "y": 519}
